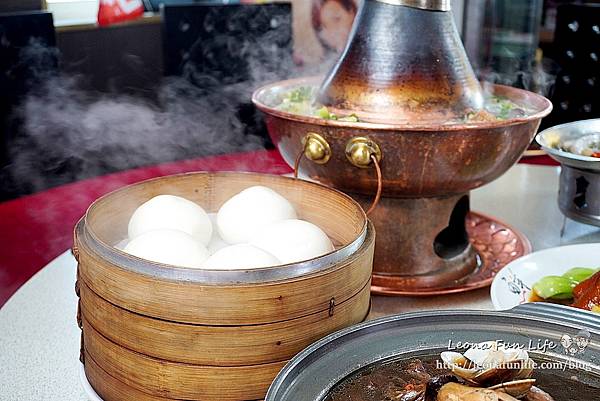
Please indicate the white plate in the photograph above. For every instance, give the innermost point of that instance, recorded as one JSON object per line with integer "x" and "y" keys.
{"x": 87, "y": 387}
{"x": 512, "y": 285}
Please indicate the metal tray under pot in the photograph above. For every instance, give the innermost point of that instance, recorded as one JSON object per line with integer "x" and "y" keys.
{"x": 313, "y": 373}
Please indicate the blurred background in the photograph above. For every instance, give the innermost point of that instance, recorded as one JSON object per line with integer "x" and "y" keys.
{"x": 91, "y": 87}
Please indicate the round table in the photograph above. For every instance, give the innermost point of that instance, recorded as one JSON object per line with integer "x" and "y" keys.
{"x": 39, "y": 337}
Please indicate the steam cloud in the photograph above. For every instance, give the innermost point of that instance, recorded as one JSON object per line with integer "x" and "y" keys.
{"x": 71, "y": 134}
{"x": 66, "y": 128}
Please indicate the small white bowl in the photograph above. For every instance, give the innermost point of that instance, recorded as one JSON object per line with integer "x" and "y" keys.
{"x": 512, "y": 285}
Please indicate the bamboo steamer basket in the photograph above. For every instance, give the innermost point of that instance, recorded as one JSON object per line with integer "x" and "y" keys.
{"x": 157, "y": 332}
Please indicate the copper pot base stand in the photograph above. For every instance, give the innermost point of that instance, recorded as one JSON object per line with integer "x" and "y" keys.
{"x": 495, "y": 243}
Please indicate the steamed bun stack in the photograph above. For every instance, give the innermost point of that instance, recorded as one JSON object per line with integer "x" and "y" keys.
{"x": 254, "y": 229}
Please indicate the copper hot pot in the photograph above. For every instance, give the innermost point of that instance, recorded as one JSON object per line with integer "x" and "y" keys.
{"x": 405, "y": 74}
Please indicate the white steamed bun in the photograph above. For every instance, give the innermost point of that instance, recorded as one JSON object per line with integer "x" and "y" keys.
{"x": 216, "y": 242}
{"x": 240, "y": 256}
{"x": 293, "y": 241}
{"x": 243, "y": 215}
{"x": 168, "y": 246}
{"x": 172, "y": 213}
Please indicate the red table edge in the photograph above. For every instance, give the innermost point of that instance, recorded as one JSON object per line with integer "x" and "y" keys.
{"x": 35, "y": 229}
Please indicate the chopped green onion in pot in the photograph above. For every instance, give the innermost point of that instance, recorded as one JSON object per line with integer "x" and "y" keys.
{"x": 352, "y": 118}
{"x": 323, "y": 112}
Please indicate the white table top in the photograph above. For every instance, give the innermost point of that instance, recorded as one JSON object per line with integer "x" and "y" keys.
{"x": 39, "y": 338}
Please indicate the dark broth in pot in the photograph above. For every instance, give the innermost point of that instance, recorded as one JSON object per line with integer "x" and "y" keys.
{"x": 394, "y": 380}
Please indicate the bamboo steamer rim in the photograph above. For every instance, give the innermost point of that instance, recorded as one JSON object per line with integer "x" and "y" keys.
{"x": 117, "y": 257}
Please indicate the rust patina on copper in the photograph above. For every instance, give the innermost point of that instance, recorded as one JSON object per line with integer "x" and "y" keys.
{"x": 419, "y": 159}
{"x": 426, "y": 171}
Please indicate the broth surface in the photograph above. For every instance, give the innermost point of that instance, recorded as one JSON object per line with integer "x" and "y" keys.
{"x": 302, "y": 100}
{"x": 390, "y": 380}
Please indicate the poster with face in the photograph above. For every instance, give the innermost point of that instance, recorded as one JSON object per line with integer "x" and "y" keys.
{"x": 321, "y": 28}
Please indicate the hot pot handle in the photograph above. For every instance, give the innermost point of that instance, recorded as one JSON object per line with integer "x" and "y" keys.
{"x": 362, "y": 152}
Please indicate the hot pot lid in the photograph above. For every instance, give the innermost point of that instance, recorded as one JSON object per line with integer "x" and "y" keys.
{"x": 549, "y": 137}
{"x": 539, "y": 328}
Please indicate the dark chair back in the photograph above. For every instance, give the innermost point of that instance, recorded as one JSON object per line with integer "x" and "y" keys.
{"x": 26, "y": 40}
{"x": 11, "y": 6}
{"x": 229, "y": 50}
{"x": 577, "y": 51}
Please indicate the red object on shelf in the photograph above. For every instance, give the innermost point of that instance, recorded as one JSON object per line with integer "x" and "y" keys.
{"x": 37, "y": 228}
{"x": 113, "y": 11}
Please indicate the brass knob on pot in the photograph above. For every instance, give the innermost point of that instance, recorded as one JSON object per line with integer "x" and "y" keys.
{"x": 316, "y": 148}
{"x": 360, "y": 150}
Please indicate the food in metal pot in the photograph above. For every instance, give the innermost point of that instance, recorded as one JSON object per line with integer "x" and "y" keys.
{"x": 585, "y": 145}
{"x": 490, "y": 363}
{"x": 488, "y": 371}
{"x": 301, "y": 100}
